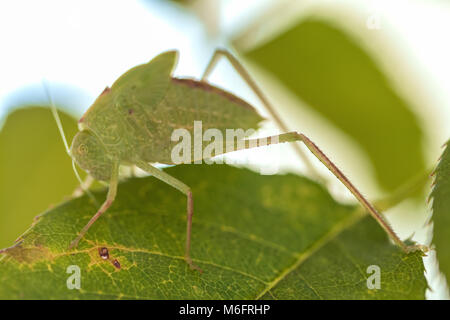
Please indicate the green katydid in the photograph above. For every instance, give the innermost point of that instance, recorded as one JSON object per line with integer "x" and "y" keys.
{"x": 131, "y": 124}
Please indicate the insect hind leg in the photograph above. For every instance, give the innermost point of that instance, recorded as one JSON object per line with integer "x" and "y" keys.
{"x": 295, "y": 136}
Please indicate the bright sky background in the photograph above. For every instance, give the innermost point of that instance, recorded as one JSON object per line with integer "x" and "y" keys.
{"x": 86, "y": 45}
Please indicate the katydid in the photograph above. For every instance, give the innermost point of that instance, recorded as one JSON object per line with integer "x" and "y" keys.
{"x": 131, "y": 124}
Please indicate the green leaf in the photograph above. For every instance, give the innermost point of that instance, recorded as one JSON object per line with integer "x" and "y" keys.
{"x": 254, "y": 236}
{"x": 35, "y": 170}
{"x": 441, "y": 212}
{"x": 330, "y": 72}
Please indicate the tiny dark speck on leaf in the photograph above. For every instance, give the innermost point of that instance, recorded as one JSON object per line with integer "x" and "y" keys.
{"x": 116, "y": 264}
{"x": 130, "y": 111}
{"x": 104, "y": 253}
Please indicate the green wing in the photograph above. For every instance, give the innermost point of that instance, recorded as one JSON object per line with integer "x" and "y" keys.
{"x": 148, "y": 82}
{"x": 144, "y": 84}
{"x": 137, "y": 116}
{"x": 187, "y": 101}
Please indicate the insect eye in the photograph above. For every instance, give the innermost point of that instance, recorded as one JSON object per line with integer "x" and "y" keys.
{"x": 82, "y": 149}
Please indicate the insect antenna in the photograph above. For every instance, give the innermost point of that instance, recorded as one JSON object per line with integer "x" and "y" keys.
{"x": 56, "y": 116}
{"x": 63, "y": 137}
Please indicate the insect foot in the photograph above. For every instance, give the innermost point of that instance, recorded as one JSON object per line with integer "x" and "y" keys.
{"x": 74, "y": 243}
{"x": 417, "y": 247}
{"x": 192, "y": 265}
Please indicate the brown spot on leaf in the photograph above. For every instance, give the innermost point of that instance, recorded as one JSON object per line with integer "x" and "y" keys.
{"x": 104, "y": 253}
{"x": 116, "y": 263}
{"x": 28, "y": 255}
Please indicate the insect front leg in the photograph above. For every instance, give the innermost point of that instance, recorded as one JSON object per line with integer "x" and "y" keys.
{"x": 112, "y": 191}
{"x": 219, "y": 53}
{"x": 84, "y": 186}
{"x": 177, "y": 184}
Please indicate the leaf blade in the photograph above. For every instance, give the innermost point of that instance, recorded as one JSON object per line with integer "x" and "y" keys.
{"x": 242, "y": 245}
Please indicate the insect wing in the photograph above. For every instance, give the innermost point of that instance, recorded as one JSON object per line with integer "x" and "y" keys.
{"x": 147, "y": 83}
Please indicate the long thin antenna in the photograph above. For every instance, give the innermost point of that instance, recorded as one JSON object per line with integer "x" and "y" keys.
{"x": 56, "y": 116}
{"x": 63, "y": 136}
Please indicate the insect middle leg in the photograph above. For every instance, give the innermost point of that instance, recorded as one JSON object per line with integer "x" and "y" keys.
{"x": 177, "y": 184}
{"x": 219, "y": 53}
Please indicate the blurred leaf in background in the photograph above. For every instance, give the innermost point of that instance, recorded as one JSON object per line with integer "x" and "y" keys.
{"x": 207, "y": 12}
{"x": 329, "y": 71}
{"x": 35, "y": 171}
